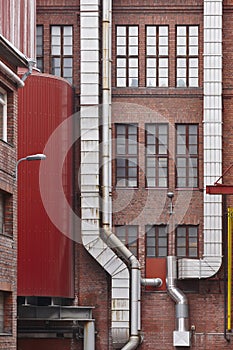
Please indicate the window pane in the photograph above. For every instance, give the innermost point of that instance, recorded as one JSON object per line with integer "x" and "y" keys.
{"x": 163, "y": 50}
{"x": 151, "y": 30}
{"x": 133, "y": 31}
{"x": 121, "y": 82}
{"x": 181, "y": 82}
{"x": 67, "y": 30}
{"x": 67, "y": 50}
{"x": 150, "y": 251}
{"x": 121, "y": 50}
{"x": 56, "y": 30}
{"x": 181, "y": 30}
{"x": 162, "y": 252}
{"x": 56, "y": 50}
{"x": 121, "y": 31}
{"x": 133, "y": 50}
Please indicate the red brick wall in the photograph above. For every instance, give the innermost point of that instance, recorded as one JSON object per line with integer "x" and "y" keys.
{"x": 63, "y": 13}
{"x": 8, "y": 242}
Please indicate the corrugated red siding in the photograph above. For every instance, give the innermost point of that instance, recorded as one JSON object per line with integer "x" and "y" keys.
{"x": 45, "y": 255}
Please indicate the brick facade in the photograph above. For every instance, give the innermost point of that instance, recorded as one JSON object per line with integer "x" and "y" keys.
{"x": 8, "y": 240}
{"x": 142, "y": 205}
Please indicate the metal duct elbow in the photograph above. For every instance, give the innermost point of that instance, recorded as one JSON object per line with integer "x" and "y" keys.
{"x": 181, "y": 336}
{"x": 133, "y": 343}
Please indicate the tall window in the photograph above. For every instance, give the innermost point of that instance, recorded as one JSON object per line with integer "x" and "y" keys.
{"x": 39, "y": 48}
{"x": 62, "y": 51}
{"x": 187, "y": 155}
{"x": 156, "y": 241}
{"x": 126, "y": 155}
{"x": 187, "y": 241}
{"x": 5, "y": 312}
{"x": 1, "y": 312}
{"x": 157, "y": 56}
{"x": 3, "y": 115}
{"x": 127, "y": 56}
{"x": 2, "y": 211}
{"x": 156, "y": 155}
{"x": 128, "y": 234}
{"x": 6, "y": 219}
{"x": 187, "y": 56}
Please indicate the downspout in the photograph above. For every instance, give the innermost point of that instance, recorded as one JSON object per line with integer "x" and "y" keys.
{"x": 31, "y": 64}
{"x": 14, "y": 77}
{"x": 181, "y": 336}
{"x": 134, "y": 265}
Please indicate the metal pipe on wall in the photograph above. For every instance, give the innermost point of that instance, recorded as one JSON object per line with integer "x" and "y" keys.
{"x": 14, "y": 77}
{"x": 181, "y": 336}
{"x": 134, "y": 339}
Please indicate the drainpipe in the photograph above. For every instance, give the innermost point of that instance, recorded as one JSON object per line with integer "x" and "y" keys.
{"x": 14, "y": 77}
{"x": 181, "y": 336}
{"x": 109, "y": 238}
{"x": 31, "y": 64}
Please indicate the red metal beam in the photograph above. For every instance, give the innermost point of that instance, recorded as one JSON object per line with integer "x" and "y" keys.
{"x": 219, "y": 189}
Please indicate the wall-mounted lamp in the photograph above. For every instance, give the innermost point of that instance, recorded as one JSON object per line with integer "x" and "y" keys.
{"x": 38, "y": 156}
{"x": 170, "y": 196}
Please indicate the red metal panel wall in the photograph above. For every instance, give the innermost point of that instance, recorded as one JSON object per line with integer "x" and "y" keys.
{"x": 45, "y": 255}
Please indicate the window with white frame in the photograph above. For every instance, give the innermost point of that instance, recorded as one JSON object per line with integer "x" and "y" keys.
{"x": 187, "y": 56}
{"x": 3, "y": 115}
{"x": 157, "y": 56}
{"x": 127, "y": 56}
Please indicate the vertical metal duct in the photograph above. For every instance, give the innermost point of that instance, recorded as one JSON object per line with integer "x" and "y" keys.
{"x": 181, "y": 336}
{"x": 90, "y": 164}
{"x": 212, "y": 124}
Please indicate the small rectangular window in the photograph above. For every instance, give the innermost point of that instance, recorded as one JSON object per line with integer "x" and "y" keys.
{"x": 156, "y": 241}
{"x": 6, "y": 312}
{"x": 187, "y": 155}
{"x": 126, "y": 155}
{"x": 127, "y": 56}
{"x": 39, "y": 48}
{"x": 157, "y": 56}
{"x": 6, "y": 218}
{"x": 156, "y": 155}
{"x": 62, "y": 51}
{"x": 187, "y": 43}
{"x": 187, "y": 241}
